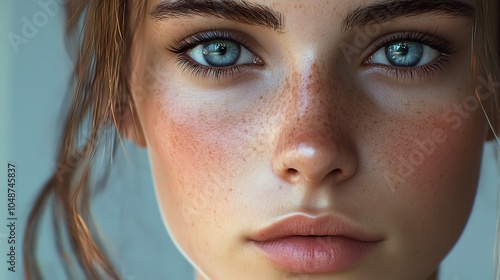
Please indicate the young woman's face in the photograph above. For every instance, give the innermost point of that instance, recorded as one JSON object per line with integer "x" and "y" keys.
{"x": 311, "y": 139}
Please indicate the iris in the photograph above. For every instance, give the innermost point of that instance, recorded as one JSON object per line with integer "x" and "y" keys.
{"x": 404, "y": 54}
{"x": 221, "y": 53}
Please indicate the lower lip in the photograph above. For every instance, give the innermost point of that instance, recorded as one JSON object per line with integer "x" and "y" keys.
{"x": 316, "y": 254}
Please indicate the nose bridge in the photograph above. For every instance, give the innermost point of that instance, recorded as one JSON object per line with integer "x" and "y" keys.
{"x": 311, "y": 104}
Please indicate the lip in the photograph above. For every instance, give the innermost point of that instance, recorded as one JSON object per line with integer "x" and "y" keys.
{"x": 325, "y": 244}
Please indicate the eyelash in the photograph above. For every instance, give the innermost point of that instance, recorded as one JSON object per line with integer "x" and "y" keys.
{"x": 185, "y": 63}
{"x": 443, "y": 46}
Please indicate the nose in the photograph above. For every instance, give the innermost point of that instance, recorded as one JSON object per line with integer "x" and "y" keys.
{"x": 313, "y": 144}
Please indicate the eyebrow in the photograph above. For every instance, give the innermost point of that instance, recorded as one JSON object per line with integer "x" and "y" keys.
{"x": 386, "y": 11}
{"x": 235, "y": 10}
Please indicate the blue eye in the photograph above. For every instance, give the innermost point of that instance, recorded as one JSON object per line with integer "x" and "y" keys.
{"x": 221, "y": 53}
{"x": 405, "y": 54}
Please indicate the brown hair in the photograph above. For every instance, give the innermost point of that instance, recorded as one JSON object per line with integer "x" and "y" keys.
{"x": 101, "y": 95}
{"x": 486, "y": 44}
{"x": 486, "y": 57}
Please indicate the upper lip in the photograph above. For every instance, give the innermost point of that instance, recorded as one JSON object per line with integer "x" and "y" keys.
{"x": 303, "y": 225}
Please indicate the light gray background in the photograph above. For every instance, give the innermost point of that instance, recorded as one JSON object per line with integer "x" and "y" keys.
{"x": 33, "y": 82}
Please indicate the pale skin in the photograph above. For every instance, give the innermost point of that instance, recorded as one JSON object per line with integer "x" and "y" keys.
{"x": 307, "y": 129}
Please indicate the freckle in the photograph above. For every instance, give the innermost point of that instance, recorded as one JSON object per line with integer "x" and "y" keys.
{"x": 286, "y": 88}
{"x": 230, "y": 190}
{"x": 281, "y": 187}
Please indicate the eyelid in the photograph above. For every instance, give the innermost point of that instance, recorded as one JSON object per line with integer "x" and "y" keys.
{"x": 201, "y": 37}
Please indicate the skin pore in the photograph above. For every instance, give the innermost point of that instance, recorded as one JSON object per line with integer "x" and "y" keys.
{"x": 312, "y": 122}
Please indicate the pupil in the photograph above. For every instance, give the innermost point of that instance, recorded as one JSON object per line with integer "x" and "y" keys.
{"x": 220, "y": 49}
{"x": 401, "y": 49}
{"x": 221, "y": 53}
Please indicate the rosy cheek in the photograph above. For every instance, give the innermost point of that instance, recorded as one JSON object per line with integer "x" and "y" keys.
{"x": 196, "y": 156}
{"x": 428, "y": 170}
{"x": 429, "y": 147}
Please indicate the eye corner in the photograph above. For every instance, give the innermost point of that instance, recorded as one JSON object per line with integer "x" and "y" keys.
{"x": 367, "y": 61}
{"x": 258, "y": 61}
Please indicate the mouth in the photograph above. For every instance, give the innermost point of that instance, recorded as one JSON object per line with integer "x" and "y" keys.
{"x": 326, "y": 244}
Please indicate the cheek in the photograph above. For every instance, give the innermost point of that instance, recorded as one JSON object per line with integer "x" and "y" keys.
{"x": 429, "y": 152}
{"x": 193, "y": 154}
{"x": 198, "y": 157}
{"x": 428, "y": 168}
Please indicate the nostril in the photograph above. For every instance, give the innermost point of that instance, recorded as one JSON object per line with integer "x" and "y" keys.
{"x": 313, "y": 161}
{"x": 337, "y": 172}
{"x": 291, "y": 172}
